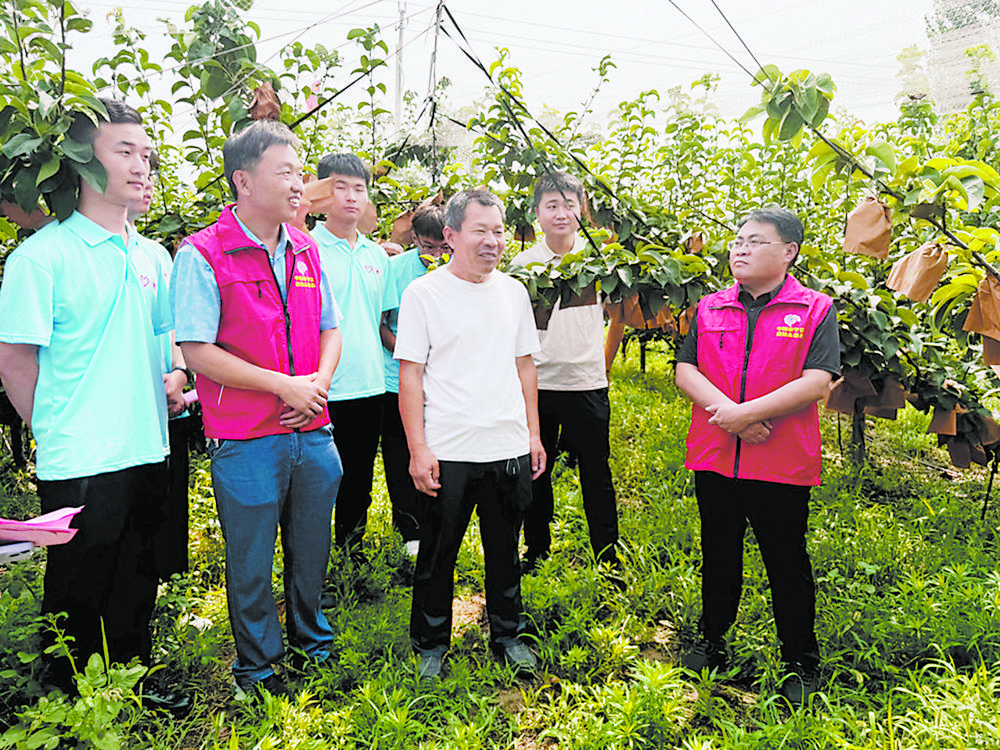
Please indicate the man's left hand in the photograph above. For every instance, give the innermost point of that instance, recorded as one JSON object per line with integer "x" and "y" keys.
{"x": 537, "y": 458}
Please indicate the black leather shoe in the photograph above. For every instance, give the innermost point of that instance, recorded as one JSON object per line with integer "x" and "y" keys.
{"x": 800, "y": 681}
{"x": 176, "y": 703}
{"x": 705, "y": 654}
{"x": 274, "y": 685}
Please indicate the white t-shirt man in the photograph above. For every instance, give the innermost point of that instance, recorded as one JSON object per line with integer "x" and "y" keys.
{"x": 467, "y": 335}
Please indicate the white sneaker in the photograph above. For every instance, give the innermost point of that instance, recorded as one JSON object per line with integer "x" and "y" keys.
{"x": 412, "y": 547}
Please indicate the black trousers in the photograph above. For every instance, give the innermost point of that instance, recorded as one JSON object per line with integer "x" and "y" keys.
{"x": 171, "y": 545}
{"x": 583, "y": 417}
{"x": 779, "y": 515}
{"x": 499, "y": 491}
{"x": 108, "y": 570}
{"x": 356, "y": 426}
{"x": 407, "y": 500}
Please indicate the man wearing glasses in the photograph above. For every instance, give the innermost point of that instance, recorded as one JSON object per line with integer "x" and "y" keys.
{"x": 757, "y": 358}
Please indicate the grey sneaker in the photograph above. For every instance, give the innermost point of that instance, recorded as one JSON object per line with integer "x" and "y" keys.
{"x": 431, "y": 663}
{"x": 520, "y": 657}
{"x": 705, "y": 654}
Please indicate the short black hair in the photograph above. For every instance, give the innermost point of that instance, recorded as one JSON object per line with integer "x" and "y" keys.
{"x": 558, "y": 182}
{"x": 84, "y": 127}
{"x": 348, "y": 165}
{"x": 454, "y": 212}
{"x": 788, "y": 224}
{"x": 428, "y": 221}
{"x": 243, "y": 150}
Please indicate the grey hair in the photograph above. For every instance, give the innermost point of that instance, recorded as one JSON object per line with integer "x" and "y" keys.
{"x": 454, "y": 212}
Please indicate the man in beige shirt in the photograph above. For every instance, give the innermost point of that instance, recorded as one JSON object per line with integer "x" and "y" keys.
{"x": 572, "y": 384}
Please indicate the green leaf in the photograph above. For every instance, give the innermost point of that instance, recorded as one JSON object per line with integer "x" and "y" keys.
{"x": 95, "y": 175}
{"x": 791, "y": 124}
{"x": 77, "y": 151}
{"x": 21, "y": 144}
{"x": 49, "y": 167}
{"x": 883, "y": 152}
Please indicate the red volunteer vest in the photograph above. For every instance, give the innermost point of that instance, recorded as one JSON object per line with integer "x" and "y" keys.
{"x": 257, "y": 326}
{"x": 785, "y": 329}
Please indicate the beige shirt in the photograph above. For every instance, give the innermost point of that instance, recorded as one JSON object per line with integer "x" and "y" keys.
{"x": 572, "y": 354}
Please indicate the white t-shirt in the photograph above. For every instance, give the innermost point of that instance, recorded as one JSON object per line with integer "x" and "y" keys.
{"x": 467, "y": 336}
{"x": 572, "y": 354}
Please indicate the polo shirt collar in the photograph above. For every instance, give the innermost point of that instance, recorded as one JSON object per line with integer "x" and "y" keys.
{"x": 329, "y": 238}
{"x": 92, "y": 233}
{"x": 578, "y": 244}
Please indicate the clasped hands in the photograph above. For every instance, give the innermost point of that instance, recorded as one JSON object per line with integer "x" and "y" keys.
{"x": 735, "y": 419}
{"x": 305, "y": 396}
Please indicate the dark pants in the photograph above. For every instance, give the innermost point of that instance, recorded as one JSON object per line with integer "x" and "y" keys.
{"x": 499, "y": 491}
{"x": 584, "y": 418}
{"x": 108, "y": 570}
{"x": 407, "y": 500}
{"x": 779, "y": 515}
{"x": 356, "y": 426}
{"x": 172, "y": 539}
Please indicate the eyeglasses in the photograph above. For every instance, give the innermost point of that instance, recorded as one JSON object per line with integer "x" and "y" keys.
{"x": 753, "y": 243}
{"x": 430, "y": 246}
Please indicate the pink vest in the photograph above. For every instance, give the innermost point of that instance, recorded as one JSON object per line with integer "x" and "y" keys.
{"x": 257, "y": 326}
{"x": 785, "y": 328}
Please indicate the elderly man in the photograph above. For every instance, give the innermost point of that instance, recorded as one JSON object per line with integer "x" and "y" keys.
{"x": 757, "y": 358}
{"x": 468, "y": 400}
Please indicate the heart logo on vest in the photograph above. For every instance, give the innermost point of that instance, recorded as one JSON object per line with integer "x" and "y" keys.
{"x": 301, "y": 266}
{"x": 793, "y": 319}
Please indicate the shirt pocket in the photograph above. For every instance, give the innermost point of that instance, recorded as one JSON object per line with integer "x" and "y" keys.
{"x": 720, "y": 335}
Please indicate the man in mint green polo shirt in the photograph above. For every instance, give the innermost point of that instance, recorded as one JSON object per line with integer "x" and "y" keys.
{"x": 358, "y": 270}
{"x": 79, "y": 307}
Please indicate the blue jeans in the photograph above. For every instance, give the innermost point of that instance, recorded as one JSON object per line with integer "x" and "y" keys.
{"x": 289, "y": 481}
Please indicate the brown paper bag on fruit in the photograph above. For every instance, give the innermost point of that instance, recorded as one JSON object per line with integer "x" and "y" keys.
{"x": 890, "y": 399}
{"x": 633, "y": 316}
{"x": 960, "y": 452}
{"x": 984, "y": 318}
{"x": 265, "y": 104}
{"x": 869, "y": 229}
{"x": 848, "y": 389}
{"x": 917, "y": 274}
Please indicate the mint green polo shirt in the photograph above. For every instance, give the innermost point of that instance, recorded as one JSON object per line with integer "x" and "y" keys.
{"x": 403, "y": 269}
{"x": 93, "y": 304}
{"x": 363, "y": 288}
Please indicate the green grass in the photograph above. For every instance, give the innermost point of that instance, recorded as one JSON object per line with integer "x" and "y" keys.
{"x": 908, "y": 621}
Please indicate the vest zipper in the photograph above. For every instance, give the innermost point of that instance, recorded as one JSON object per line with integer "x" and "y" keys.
{"x": 743, "y": 386}
{"x": 288, "y": 320}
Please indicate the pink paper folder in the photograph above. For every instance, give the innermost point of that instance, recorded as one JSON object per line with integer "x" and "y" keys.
{"x": 52, "y": 528}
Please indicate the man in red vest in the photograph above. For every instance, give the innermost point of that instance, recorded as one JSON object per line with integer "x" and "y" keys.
{"x": 259, "y": 327}
{"x": 757, "y": 358}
